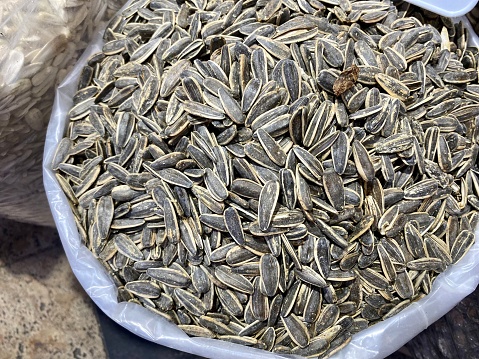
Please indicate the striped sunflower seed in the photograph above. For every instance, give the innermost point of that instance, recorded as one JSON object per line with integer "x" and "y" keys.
{"x": 253, "y": 172}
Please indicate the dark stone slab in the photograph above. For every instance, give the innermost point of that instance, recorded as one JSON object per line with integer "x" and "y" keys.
{"x": 122, "y": 344}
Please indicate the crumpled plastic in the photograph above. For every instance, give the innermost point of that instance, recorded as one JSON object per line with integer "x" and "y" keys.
{"x": 376, "y": 342}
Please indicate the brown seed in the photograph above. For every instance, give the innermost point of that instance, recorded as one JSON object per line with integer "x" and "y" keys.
{"x": 346, "y": 80}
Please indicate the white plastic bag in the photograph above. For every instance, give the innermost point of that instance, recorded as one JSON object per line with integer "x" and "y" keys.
{"x": 445, "y": 7}
{"x": 377, "y": 341}
{"x": 473, "y": 17}
{"x": 40, "y": 41}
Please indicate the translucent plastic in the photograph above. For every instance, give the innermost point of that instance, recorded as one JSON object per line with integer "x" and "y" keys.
{"x": 473, "y": 38}
{"x": 375, "y": 342}
{"x": 449, "y": 8}
{"x": 40, "y": 41}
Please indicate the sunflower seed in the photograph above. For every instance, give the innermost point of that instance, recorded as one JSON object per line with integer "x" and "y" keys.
{"x": 267, "y": 201}
{"x": 247, "y": 162}
{"x": 170, "y": 277}
{"x": 233, "y": 280}
{"x": 191, "y": 303}
{"x": 363, "y": 162}
{"x": 463, "y": 242}
{"x": 269, "y": 271}
{"x": 197, "y": 331}
{"x": 296, "y": 330}
{"x": 143, "y": 288}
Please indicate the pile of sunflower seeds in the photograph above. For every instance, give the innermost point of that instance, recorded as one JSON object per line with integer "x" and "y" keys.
{"x": 280, "y": 174}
